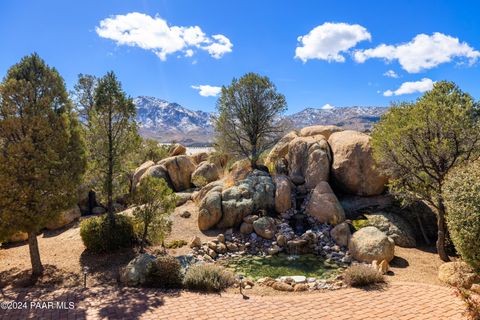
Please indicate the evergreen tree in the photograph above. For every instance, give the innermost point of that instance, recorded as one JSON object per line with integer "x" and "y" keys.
{"x": 111, "y": 136}
{"x": 418, "y": 144}
{"x": 247, "y": 111}
{"x": 42, "y": 154}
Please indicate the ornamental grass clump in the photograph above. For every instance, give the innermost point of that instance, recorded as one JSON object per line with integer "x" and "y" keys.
{"x": 208, "y": 278}
{"x": 362, "y": 275}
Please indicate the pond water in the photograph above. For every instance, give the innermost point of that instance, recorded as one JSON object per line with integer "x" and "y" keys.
{"x": 256, "y": 267}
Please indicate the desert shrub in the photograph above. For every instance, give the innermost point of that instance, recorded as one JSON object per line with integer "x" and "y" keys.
{"x": 98, "y": 236}
{"x": 361, "y": 275}
{"x": 360, "y": 223}
{"x": 208, "y": 277}
{"x": 199, "y": 181}
{"x": 174, "y": 244}
{"x": 165, "y": 272}
{"x": 461, "y": 193}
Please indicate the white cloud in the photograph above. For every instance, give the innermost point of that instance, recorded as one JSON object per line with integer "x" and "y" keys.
{"x": 329, "y": 40}
{"x": 207, "y": 90}
{"x": 391, "y": 74}
{"x": 422, "y": 52}
{"x": 153, "y": 33}
{"x": 327, "y": 106}
{"x": 411, "y": 87}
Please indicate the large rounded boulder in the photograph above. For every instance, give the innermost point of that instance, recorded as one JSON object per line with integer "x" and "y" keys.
{"x": 136, "y": 272}
{"x": 324, "y": 205}
{"x": 395, "y": 227}
{"x": 255, "y": 192}
{"x": 369, "y": 243}
{"x": 353, "y": 168}
{"x": 205, "y": 173}
{"x": 210, "y": 210}
{"x": 138, "y": 173}
{"x": 283, "y": 193}
{"x": 280, "y": 150}
{"x": 325, "y": 131}
{"x": 265, "y": 227}
{"x": 309, "y": 160}
{"x": 180, "y": 169}
{"x": 65, "y": 218}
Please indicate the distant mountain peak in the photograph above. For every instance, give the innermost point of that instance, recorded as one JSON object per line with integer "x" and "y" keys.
{"x": 169, "y": 121}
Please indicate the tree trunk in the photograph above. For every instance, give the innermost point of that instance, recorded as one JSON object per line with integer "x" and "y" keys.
{"x": 110, "y": 210}
{"x": 37, "y": 267}
{"x": 144, "y": 239}
{"x": 441, "y": 231}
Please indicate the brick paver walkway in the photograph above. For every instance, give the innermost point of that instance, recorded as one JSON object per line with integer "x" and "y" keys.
{"x": 397, "y": 301}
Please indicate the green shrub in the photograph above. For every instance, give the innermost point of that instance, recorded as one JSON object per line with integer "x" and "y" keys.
{"x": 208, "y": 277}
{"x": 97, "y": 235}
{"x": 462, "y": 199}
{"x": 361, "y": 275}
{"x": 174, "y": 244}
{"x": 165, "y": 272}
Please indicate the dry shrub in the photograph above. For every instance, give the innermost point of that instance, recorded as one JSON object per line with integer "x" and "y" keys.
{"x": 361, "y": 275}
{"x": 208, "y": 277}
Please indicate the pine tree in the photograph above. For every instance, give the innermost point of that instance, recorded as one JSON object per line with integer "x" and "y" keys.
{"x": 111, "y": 136}
{"x": 42, "y": 155}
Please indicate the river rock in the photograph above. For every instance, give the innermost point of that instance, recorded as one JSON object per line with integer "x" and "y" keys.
{"x": 265, "y": 227}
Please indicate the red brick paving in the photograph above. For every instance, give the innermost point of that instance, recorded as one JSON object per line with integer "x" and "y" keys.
{"x": 397, "y": 301}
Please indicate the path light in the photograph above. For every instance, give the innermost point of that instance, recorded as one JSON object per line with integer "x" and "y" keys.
{"x": 85, "y": 272}
{"x": 240, "y": 278}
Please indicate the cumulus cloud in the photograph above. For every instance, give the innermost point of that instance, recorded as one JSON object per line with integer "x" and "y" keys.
{"x": 391, "y": 74}
{"x": 154, "y": 34}
{"x": 207, "y": 90}
{"x": 329, "y": 40}
{"x": 422, "y": 52}
{"x": 411, "y": 87}
{"x": 327, "y": 106}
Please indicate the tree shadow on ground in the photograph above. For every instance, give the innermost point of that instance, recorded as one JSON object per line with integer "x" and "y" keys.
{"x": 105, "y": 268}
{"x": 51, "y": 277}
{"x": 375, "y": 287}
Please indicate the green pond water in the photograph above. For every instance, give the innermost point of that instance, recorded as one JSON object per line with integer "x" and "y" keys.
{"x": 256, "y": 267}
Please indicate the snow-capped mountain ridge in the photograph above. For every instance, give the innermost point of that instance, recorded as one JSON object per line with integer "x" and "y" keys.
{"x": 166, "y": 121}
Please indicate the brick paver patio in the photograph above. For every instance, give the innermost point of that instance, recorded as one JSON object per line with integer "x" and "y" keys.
{"x": 397, "y": 301}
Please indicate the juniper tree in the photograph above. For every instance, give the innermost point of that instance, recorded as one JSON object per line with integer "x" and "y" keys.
{"x": 41, "y": 151}
{"x": 247, "y": 111}
{"x": 156, "y": 201}
{"x": 418, "y": 144}
{"x": 111, "y": 136}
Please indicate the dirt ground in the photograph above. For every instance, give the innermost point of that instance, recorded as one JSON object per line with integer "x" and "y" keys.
{"x": 65, "y": 258}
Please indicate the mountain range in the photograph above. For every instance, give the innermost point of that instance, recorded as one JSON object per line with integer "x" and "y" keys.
{"x": 168, "y": 121}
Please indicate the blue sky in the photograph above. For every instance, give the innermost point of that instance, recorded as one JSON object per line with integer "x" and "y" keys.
{"x": 165, "y": 48}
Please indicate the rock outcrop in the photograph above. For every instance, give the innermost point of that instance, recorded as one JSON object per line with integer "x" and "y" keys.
{"x": 280, "y": 150}
{"x": 177, "y": 150}
{"x": 138, "y": 173}
{"x": 309, "y": 160}
{"x": 369, "y": 243}
{"x": 353, "y": 168}
{"x": 324, "y": 205}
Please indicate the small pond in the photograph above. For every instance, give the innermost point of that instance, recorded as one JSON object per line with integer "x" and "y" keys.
{"x": 256, "y": 267}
